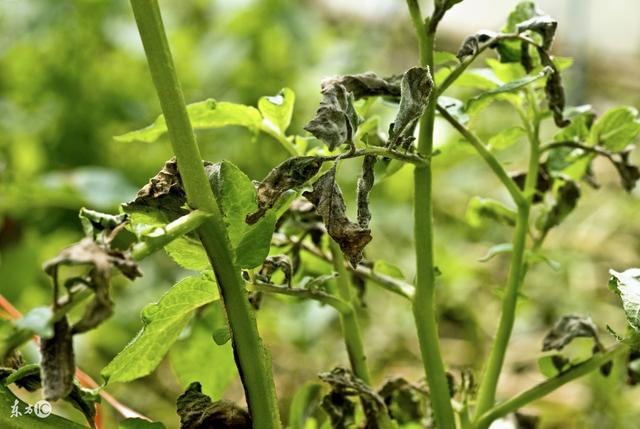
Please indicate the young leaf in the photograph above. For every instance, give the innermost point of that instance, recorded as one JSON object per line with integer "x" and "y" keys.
{"x": 554, "y": 90}
{"x": 627, "y": 285}
{"x": 58, "y": 364}
{"x": 197, "y": 411}
{"x": 406, "y": 403}
{"x": 290, "y": 174}
{"x": 415, "y": 88}
{"x": 506, "y": 138}
{"x": 366, "y": 85}
{"x": 163, "y": 322}
{"x": 203, "y": 115}
{"x": 567, "y": 329}
{"x": 336, "y": 121}
{"x": 485, "y": 208}
{"x": 277, "y": 110}
{"x": 616, "y": 129}
{"x": 471, "y": 44}
{"x": 326, "y": 196}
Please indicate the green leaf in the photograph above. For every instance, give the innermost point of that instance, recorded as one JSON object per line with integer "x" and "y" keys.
{"x": 443, "y": 57}
{"x": 552, "y": 365}
{"x": 304, "y": 403}
{"x": 506, "y": 138}
{"x": 514, "y": 85}
{"x": 483, "y": 79}
{"x": 188, "y": 354}
{"x": 203, "y": 115}
{"x": 616, "y": 129}
{"x": 28, "y": 421}
{"x": 277, "y": 110}
{"x": 188, "y": 253}
{"x": 455, "y": 108}
{"x": 496, "y": 250}
{"x": 388, "y": 269}
{"x": 11, "y": 337}
{"x": 163, "y": 322}
{"x": 509, "y": 50}
{"x": 506, "y": 72}
{"x": 137, "y": 423}
{"x": 254, "y": 246}
{"x": 485, "y": 208}
{"x": 627, "y": 285}
{"x": 38, "y": 320}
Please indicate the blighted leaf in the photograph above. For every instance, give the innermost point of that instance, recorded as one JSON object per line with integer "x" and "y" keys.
{"x": 366, "y": 84}
{"x": 629, "y": 174}
{"x": 277, "y": 110}
{"x": 544, "y": 182}
{"x": 303, "y": 405}
{"x": 554, "y": 90}
{"x": 552, "y": 365}
{"x": 486, "y": 208}
{"x": 544, "y": 25}
{"x": 84, "y": 400}
{"x": 163, "y": 322}
{"x": 510, "y": 50}
{"x": 203, "y": 115}
{"x": 336, "y": 121}
{"x": 406, "y": 402}
{"x": 627, "y": 285}
{"x": 290, "y": 174}
{"x": 99, "y": 225}
{"x": 566, "y": 199}
{"x": 137, "y": 423}
{"x": 616, "y": 129}
{"x": 365, "y": 183}
{"x": 326, "y": 196}
{"x": 58, "y": 364}
{"x": 275, "y": 263}
{"x": 197, "y": 411}
{"x": 471, "y": 44}
{"x": 567, "y": 329}
{"x": 415, "y": 88}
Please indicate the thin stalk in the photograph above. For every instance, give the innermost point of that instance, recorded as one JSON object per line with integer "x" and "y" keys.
{"x": 424, "y": 302}
{"x": 341, "y": 306}
{"x": 488, "y": 385}
{"x": 284, "y": 142}
{"x": 548, "y": 386}
{"x": 251, "y": 358}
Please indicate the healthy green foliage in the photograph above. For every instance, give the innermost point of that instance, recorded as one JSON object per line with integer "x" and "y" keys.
{"x": 627, "y": 285}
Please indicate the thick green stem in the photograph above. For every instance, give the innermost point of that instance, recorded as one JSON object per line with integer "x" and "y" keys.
{"x": 517, "y": 270}
{"x": 251, "y": 358}
{"x": 424, "y": 302}
{"x": 548, "y": 386}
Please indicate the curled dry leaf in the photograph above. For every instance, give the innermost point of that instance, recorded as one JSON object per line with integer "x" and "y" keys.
{"x": 567, "y": 329}
{"x": 471, "y": 44}
{"x": 197, "y": 411}
{"x": 406, "y": 402}
{"x": 336, "y": 120}
{"x": 326, "y": 196}
{"x": 543, "y": 25}
{"x": 554, "y": 90}
{"x": 365, "y": 183}
{"x": 366, "y": 84}
{"x": 274, "y": 263}
{"x": 290, "y": 174}
{"x": 58, "y": 364}
{"x": 415, "y": 88}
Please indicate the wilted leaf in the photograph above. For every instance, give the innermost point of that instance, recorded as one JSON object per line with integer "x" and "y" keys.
{"x": 197, "y": 411}
{"x": 203, "y": 115}
{"x": 566, "y": 199}
{"x": 629, "y": 174}
{"x": 366, "y": 84}
{"x": 554, "y": 90}
{"x": 415, "y": 88}
{"x": 58, "y": 364}
{"x": 510, "y": 50}
{"x": 406, "y": 402}
{"x": 84, "y": 400}
{"x": 327, "y": 198}
{"x": 627, "y": 285}
{"x": 273, "y": 264}
{"x": 99, "y": 226}
{"x": 290, "y": 174}
{"x": 471, "y": 44}
{"x": 336, "y": 121}
{"x": 567, "y": 329}
{"x": 277, "y": 110}
{"x": 163, "y": 322}
{"x": 486, "y": 208}
{"x": 616, "y": 129}
{"x": 365, "y": 183}
{"x": 544, "y": 25}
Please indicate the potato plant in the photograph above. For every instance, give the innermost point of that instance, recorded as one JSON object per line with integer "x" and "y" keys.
{"x": 245, "y": 239}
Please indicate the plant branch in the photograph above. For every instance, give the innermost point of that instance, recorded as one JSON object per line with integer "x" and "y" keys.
{"x": 548, "y": 386}
{"x": 317, "y": 295}
{"x": 576, "y": 145}
{"x": 251, "y": 358}
{"x": 284, "y": 142}
{"x": 515, "y": 192}
{"x": 424, "y": 301}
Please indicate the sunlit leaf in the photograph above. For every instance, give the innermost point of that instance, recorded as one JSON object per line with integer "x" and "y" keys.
{"x": 627, "y": 285}
{"x": 616, "y": 129}
{"x": 506, "y": 138}
{"x": 277, "y": 110}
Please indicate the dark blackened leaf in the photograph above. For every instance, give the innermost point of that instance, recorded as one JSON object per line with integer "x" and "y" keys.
{"x": 633, "y": 368}
{"x": 471, "y": 44}
{"x": 566, "y": 199}
{"x": 84, "y": 400}
{"x": 568, "y": 328}
{"x": 415, "y": 88}
{"x": 406, "y": 402}
{"x": 544, "y": 25}
{"x": 290, "y": 174}
{"x": 273, "y": 264}
{"x": 197, "y": 411}
{"x": 554, "y": 90}
{"x": 58, "y": 364}
{"x": 344, "y": 385}
{"x": 326, "y": 196}
{"x": 510, "y": 50}
{"x": 100, "y": 225}
{"x": 336, "y": 120}
{"x": 629, "y": 173}
{"x": 544, "y": 182}
{"x": 365, "y": 183}
{"x": 366, "y": 85}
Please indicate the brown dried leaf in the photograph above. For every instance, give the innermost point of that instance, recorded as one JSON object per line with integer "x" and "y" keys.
{"x": 554, "y": 90}
{"x": 365, "y": 183}
{"x": 290, "y": 174}
{"x": 326, "y": 196}
{"x": 197, "y": 411}
{"x": 471, "y": 44}
{"x": 58, "y": 364}
{"x": 366, "y": 84}
{"x": 336, "y": 121}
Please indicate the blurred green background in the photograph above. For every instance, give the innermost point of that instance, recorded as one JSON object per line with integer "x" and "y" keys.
{"x": 73, "y": 74}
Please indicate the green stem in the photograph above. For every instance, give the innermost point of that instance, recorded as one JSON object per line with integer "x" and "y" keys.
{"x": 548, "y": 386}
{"x": 341, "y": 306}
{"x": 424, "y": 302}
{"x": 251, "y": 358}
{"x": 284, "y": 142}
{"x": 517, "y": 270}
